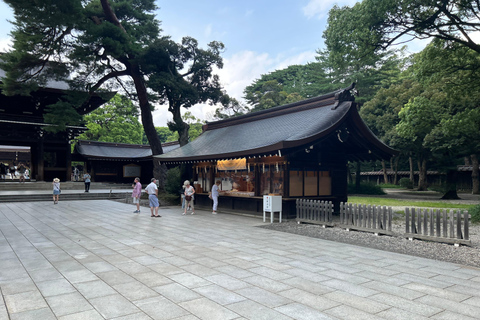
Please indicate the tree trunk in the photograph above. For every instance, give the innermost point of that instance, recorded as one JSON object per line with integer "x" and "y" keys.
{"x": 422, "y": 175}
{"x": 395, "y": 176}
{"x": 357, "y": 177}
{"x": 475, "y": 175}
{"x": 412, "y": 173}
{"x": 385, "y": 175}
{"x": 179, "y": 125}
{"x": 159, "y": 170}
{"x": 451, "y": 191}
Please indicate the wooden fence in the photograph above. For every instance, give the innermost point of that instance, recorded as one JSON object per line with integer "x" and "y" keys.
{"x": 315, "y": 211}
{"x": 376, "y": 219}
{"x": 437, "y": 225}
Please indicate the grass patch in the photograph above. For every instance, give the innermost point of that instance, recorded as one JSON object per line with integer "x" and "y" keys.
{"x": 407, "y": 203}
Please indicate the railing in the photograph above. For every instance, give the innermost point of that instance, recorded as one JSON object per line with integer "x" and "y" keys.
{"x": 437, "y": 225}
{"x": 376, "y": 219}
{"x": 315, "y": 211}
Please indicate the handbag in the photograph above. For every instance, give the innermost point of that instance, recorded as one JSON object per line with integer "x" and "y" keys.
{"x": 188, "y": 198}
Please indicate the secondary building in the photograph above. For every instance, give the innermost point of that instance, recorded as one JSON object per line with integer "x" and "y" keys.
{"x": 299, "y": 150}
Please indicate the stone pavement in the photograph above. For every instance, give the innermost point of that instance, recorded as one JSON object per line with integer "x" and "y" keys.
{"x": 97, "y": 260}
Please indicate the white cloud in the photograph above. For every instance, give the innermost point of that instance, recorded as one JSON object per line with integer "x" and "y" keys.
{"x": 320, "y": 8}
{"x": 5, "y": 44}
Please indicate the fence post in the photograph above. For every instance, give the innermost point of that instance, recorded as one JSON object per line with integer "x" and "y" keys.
{"x": 451, "y": 224}
{"x": 437, "y": 218}
{"x": 407, "y": 220}
{"x": 390, "y": 218}
{"x": 466, "y": 222}
{"x": 459, "y": 225}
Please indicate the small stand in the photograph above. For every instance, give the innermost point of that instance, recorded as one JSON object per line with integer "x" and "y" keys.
{"x": 272, "y": 204}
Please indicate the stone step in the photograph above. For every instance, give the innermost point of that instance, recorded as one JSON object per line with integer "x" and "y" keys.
{"x": 69, "y": 185}
{"x": 31, "y": 197}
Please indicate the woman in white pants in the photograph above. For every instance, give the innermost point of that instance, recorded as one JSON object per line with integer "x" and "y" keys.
{"x": 214, "y": 196}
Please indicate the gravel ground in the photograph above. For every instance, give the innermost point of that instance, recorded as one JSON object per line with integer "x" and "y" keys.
{"x": 466, "y": 255}
{"x": 397, "y": 243}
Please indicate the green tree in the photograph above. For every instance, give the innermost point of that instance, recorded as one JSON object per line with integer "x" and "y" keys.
{"x": 230, "y": 107}
{"x": 104, "y": 45}
{"x": 186, "y": 77}
{"x": 164, "y": 134}
{"x": 294, "y": 83}
{"x": 115, "y": 121}
{"x": 372, "y": 26}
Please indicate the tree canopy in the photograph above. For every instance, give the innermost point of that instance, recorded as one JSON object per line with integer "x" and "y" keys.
{"x": 115, "y": 121}
{"x": 375, "y": 25}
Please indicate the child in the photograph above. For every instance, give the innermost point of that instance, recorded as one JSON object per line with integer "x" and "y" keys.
{"x": 56, "y": 190}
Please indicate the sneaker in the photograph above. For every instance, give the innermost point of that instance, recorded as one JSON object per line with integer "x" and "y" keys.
{"x": 183, "y": 213}
{"x": 193, "y": 212}
{"x": 136, "y": 211}
{"x": 214, "y": 212}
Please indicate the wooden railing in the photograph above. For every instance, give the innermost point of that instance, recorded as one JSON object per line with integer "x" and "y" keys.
{"x": 376, "y": 219}
{"x": 437, "y": 225}
{"x": 315, "y": 211}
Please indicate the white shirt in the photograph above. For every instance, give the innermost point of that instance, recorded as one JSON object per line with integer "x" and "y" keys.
{"x": 215, "y": 191}
{"x": 151, "y": 188}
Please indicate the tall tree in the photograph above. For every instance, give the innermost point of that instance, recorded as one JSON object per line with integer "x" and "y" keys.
{"x": 374, "y": 25}
{"x": 94, "y": 45}
{"x": 115, "y": 121}
{"x": 182, "y": 76}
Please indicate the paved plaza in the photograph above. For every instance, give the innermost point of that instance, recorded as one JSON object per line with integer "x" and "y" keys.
{"x": 98, "y": 260}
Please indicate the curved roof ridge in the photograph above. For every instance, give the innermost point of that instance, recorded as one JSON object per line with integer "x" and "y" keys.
{"x": 315, "y": 102}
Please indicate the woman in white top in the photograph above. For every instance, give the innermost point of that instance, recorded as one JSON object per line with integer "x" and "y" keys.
{"x": 214, "y": 195}
{"x": 189, "y": 191}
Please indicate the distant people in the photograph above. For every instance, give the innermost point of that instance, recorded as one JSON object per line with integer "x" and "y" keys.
{"x": 214, "y": 195}
{"x": 21, "y": 173}
{"x": 86, "y": 180}
{"x": 3, "y": 171}
{"x": 152, "y": 191}
{"x": 56, "y": 190}
{"x": 137, "y": 192}
{"x": 76, "y": 174}
{"x": 189, "y": 192}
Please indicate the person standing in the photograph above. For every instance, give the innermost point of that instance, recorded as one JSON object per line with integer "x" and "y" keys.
{"x": 189, "y": 192}
{"x": 21, "y": 173}
{"x": 214, "y": 195}
{"x": 152, "y": 191}
{"x": 76, "y": 173}
{"x": 137, "y": 192}
{"x": 56, "y": 190}
{"x": 86, "y": 179}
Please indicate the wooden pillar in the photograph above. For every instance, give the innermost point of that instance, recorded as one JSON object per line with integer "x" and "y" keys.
{"x": 68, "y": 164}
{"x": 40, "y": 162}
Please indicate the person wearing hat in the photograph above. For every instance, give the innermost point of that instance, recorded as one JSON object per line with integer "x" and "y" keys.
{"x": 189, "y": 192}
{"x": 56, "y": 190}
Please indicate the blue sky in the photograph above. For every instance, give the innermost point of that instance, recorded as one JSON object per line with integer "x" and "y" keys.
{"x": 260, "y": 36}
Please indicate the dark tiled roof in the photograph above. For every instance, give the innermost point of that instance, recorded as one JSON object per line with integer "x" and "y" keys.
{"x": 109, "y": 150}
{"x": 268, "y": 131}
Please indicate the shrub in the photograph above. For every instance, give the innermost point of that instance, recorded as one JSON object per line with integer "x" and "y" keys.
{"x": 406, "y": 183}
{"x": 365, "y": 188}
{"x": 475, "y": 213}
{"x": 173, "y": 183}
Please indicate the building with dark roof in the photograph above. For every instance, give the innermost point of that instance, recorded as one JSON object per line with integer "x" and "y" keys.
{"x": 22, "y": 124}
{"x": 295, "y": 150}
{"x": 117, "y": 162}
